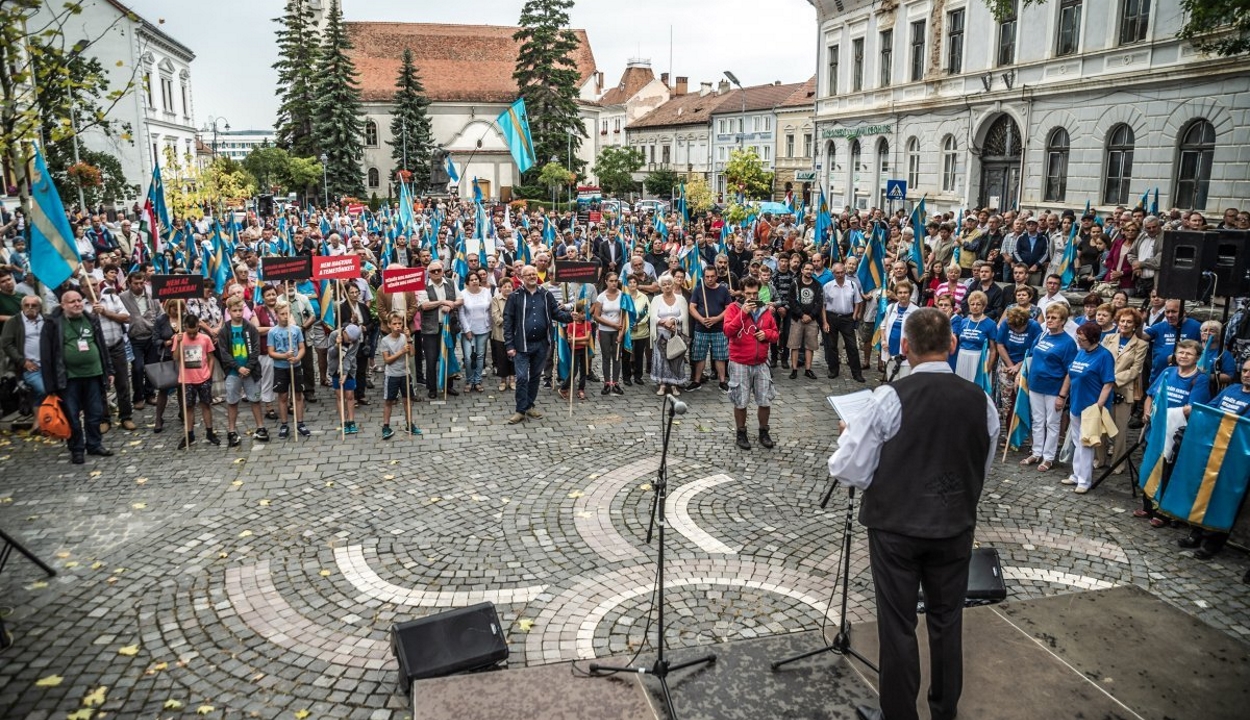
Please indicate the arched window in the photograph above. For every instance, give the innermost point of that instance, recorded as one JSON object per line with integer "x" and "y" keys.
{"x": 883, "y": 157}
{"x": 374, "y": 181}
{"x": 950, "y": 162}
{"x": 913, "y": 162}
{"x": 1056, "y": 165}
{"x": 1193, "y": 172}
{"x": 1119, "y": 165}
{"x": 371, "y": 133}
{"x": 857, "y": 154}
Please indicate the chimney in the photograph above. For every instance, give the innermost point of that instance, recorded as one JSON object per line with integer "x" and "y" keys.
{"x": 682, "y": 86}
{"x": 599, "y": 81}
{"x": 705, "y": 88}
{"x": 664, "y": 79}
{"x": 722, "y": 87}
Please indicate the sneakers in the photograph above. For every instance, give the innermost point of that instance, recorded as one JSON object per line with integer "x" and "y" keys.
{"x": 271, "y": 414}
{"x": 743, "y": 441}
{"x": 1068, "y": 481}
{"x": 533, "y": 413}
{"x": 232, "y": 439}
{"x": 284, "y": 432}
{"x": 187, "y": 441}
{"x": 414, "y": 430}
{"x": 616, "y": 389}
{"x": 723, "y": 385}
{"x": 302, "y": 429}
{"x": 1080, "y": 490}
{"x": 261, "y": 435}
{"x": 212, "y": 437}
{"x": 694, "y": 386}
{"x": 387, "y": 432}
{"x": 547, "y": 382}
{"x": 765, "y": 439}
{"x": 349, "y": 428}
{"x": 515, "y": 418}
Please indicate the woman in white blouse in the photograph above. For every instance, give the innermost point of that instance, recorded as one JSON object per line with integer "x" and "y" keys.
{"x": 474, "y": 330}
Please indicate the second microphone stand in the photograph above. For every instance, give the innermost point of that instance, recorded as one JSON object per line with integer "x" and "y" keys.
{"x": 661, "y": 667}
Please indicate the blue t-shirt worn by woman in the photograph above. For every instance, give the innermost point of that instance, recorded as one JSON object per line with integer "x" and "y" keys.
{"x": 1233, "y": 400}
{"x": 1018, "y": 343}
{"x": 1051, "y": 357}
{"x": 1090, "y": 371}
{"x": 974, "y": 334}
{"x": 957, "y": 324}
{"x": 1182, "y": 391}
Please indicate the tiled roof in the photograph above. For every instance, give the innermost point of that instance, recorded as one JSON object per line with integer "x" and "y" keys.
{"x": 634, "y": 79}
{"x": 758, "y": 97}
{"x": 805, "y": 95}
{"x": 691, "y": 109}
{"x": 455, "y": 62}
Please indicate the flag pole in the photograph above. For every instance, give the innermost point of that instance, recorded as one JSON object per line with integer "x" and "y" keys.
{"x": 294, "y": 405}
{"x": 182, "y": 374}
{"x": 442, "y": 341}
{"x": 338, "y": 330}
{"x": 407, "y": 378}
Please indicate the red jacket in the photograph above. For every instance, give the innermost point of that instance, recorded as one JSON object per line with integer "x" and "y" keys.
{"x": 740, "y": 329}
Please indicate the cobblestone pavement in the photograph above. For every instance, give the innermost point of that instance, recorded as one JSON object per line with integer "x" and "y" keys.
{"x": 261, "y": 581}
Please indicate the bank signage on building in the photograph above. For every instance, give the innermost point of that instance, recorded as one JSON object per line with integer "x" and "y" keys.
{"x": 851, "y": 133}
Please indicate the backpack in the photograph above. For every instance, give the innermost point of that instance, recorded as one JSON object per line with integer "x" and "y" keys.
{"x": 52, "y": 419}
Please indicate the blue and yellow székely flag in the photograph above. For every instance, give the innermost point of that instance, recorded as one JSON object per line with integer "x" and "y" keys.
{"x": 1212, "y": 469}
{"x": 53, "y": 254}
{"x": 515, "y": 126}
{"x": 1021, "y": 427}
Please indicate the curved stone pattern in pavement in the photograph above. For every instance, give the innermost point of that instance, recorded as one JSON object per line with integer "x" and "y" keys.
{"x": 679, "y": 517}
{"x": 353, "y": 562}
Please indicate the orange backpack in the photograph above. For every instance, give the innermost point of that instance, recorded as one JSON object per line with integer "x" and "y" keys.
{"x": 52, "y": 419}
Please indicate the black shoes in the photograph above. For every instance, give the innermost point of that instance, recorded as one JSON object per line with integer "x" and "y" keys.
{"x": 607, "y": 389}
{"x": 100, "y": 452}
{"x": 743, "y": 441}
{"x": 1190, "y": 541}
{"x": 694, "y": 386}
{"x": 616, "y": 389}
{"x": 77, "y": 458}
{"x": 812, "y": 376}
{"x": 765, "y": 439}
{"x": 864, "y": 712}
{"x": 794, "y": 374}
{"x": 212, "y": 437}
{"x": 723, "y": 385}
{"x": 232, "y": 439}
{"x": 186, "y": 441}
{"x": 858, "y": 378}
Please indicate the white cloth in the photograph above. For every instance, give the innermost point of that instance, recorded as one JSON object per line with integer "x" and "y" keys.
{"x": 859, "y": 448}
{"x": 1046, "y": 421}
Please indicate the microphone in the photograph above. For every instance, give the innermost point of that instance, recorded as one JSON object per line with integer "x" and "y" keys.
{"x": 679, "y": 407}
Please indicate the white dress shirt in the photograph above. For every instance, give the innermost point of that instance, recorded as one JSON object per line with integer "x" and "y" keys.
{"x": 859, "y": 448}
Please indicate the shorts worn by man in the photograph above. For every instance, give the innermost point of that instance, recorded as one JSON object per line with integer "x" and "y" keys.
{"x": 750, "y": 329}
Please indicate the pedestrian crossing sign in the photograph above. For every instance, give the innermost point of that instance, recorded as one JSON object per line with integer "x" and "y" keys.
{"x": 895, "y": 189}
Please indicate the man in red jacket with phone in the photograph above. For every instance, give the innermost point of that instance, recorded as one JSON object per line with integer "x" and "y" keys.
{"x": 750, "y": 329}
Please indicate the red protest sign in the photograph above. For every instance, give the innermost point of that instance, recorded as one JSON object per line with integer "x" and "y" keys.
{"x": 177, "y": 287}
{"x": 596, "y": 216}
{"x": 403, "y": 279}
{"x": 336, "y": 267}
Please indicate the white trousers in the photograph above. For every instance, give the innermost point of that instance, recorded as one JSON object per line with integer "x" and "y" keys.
{"x": 1046, "y": 421}
{"x": 1082, "y": 456}
{"x": 266, "y": 378}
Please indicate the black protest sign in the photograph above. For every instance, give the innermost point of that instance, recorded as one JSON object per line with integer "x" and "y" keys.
{"x": 177, "y": 287}
{"x": 575, "y": 271}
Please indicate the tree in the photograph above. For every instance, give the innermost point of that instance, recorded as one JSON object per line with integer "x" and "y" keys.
{"x": 412, "y": 140}
{"x": 661, "y": 183}
{"x": 267, "y": 164}
{"x": 615, "y": 167}
{"x": 745, "y": 173}
{"x": 554, "y": 176}
{"x": 699, "y": 195}
{"x": 112, "y": 186}
{"x": 302, "y": 174}
{"x": 337, "y": 123}
{"x": 547, "y": 77}
{"x": 189, "y": 189}
{"x": 1205, "y": 18}
{"x": 298, "y": 49}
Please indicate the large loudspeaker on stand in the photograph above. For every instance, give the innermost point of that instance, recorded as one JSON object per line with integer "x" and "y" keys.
{"x": 1185, "y": 257}
{"x": 1232, "y": 266}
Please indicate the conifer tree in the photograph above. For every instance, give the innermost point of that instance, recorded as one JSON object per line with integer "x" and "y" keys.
{"x": 338, "y": 123}
{"x": 547, "y": 76}
{"x": 412, "y": 140}
{"x": 298, "y": 47}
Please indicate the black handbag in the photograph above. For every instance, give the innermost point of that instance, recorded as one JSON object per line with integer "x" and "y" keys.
{"x": 162, "y": 375}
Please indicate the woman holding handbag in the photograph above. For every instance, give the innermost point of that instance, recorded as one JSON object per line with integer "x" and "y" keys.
{"x": 163, "y": 374}
{"x": 670, "y": 320}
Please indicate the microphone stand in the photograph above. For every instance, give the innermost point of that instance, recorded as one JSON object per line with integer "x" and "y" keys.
{"x": 661, "y": 667}
{"x": 841, "y": 644}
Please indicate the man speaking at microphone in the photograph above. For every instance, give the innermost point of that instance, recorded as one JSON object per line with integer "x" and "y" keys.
{"x": 750, "y": 329}
{"x": 921, "y": 486}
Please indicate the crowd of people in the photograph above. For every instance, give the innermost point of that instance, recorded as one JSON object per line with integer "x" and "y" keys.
{"x": 671, "y": 295}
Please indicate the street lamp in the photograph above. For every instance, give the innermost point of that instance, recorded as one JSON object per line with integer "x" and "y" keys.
{"x": 553, "y": 188}
{"x": 211, "y": 124}
{"x": 325, "y": 178}
{"x": 742, "y": 135}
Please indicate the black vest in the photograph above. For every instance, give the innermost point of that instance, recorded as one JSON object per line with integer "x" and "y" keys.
{"x": 929, "y": 478}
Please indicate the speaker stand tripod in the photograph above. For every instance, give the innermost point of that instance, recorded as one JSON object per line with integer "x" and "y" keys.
{"x": 841, "y": 644}
{"x": 7, "y": 545}
{"x": 661, "y": 667}
{"x": 1125, "y": 458}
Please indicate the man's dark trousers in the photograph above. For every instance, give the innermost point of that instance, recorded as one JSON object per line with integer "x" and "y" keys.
{"x": 121, "y": 381}
{"x": 432, "y": 352}
{"x": 145, "y": 352}
{"x": 84, "y": 396}
{"x": 843, "y": 325}
{"x": 900, "y": 564}
{"x": 529, "y": 370}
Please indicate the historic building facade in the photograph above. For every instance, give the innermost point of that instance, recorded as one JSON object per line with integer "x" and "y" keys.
{"x": 1055, "y": 104}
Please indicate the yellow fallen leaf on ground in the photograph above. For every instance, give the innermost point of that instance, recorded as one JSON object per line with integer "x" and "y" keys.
{"x": 576, "y": 494}
{"x": 5, "y": 500}
{"x": 139, "y": 506}
{"x": 157, "y": 668}
{"x": 388, "y": 477}
{"x": 140, "y": 481}
{"x": 237, "y": 483}
{"x": 245, "y": 533}
{"x": 205, "y": 709}
{"x": 135, "y": 442}
{"x": 83, "y": 714}
{"x": 118, "y": 571}
{"x": 172, "y": 704}
{"x": 324, "y": 573}
{"x": 645, "y": 487}
{"x": 50, "y": 681}
{"x": 37, "y": 585}
{"x": 129, "y": 651}
{"x": 95, "y": 698}
{"x": 240, "y": 461}
{"x": 95, "y": 473}
{"x": 525, "y": 624}
{"x": 223, "y": 555}
{"x": 477, "y": 498}
{"x": 97, "y": 565}
{"x": 263, "y": 503}
{"x": 63, "y": 554}
{"x": 433, "y": 500}
{"x": 71, "y": 564}
{"x": 301, "y": 714}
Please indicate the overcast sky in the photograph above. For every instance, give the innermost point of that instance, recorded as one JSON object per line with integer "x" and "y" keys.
{"x": 233, "y": 40}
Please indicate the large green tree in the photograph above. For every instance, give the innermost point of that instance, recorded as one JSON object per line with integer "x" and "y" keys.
{"x": 412, "y": 140}
{"x": 615, "y": 168}
{"x": 547, "y": 76}
{"x": 661, "y": 183}
{"x": 338, "y": 123}
{"x": 745, "y": 171}
{"x": 298, "y": 49}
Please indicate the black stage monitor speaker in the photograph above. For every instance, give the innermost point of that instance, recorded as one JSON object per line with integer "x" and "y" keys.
{"x": 985, "y": 579}
{"x": 1232, "y": 268}
{"x": 1186, "y": 254}
{"x": 449, "y": 642}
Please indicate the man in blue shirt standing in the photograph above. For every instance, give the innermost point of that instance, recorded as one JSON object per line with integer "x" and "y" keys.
{"x": 1033, "y": 250}
{"x": 1164, "y": 335}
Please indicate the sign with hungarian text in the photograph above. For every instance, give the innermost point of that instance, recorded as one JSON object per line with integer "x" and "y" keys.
{"x": 177, "y": 287}
{"x": 403, "y": 279}
{"x": 574, "y": 271}
{"x": 276, "y": 269}
{"x": 336, "y": 267}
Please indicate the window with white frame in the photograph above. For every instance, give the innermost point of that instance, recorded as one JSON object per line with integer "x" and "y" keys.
{"x": 1193, "y": 167}
{"x": 1007, "y": 37}
{"x": 790, "y": 145}
{"x": 950, "y": 163}
{"x": 857, "y": 64}
{"x": 913, "y": 162}
{"x": 955, "y": 41}
{"x": 1057, "y": 147}
{"x": 1069, "y": 40}
{"x": 917, "y": 50}
{"x": 1134, "y": 20}
{"x": 832, "y": 82}
{"x": 807, "y": 144}
{"x": 1119, "y": 164}
{"x": 886, "y": 57}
